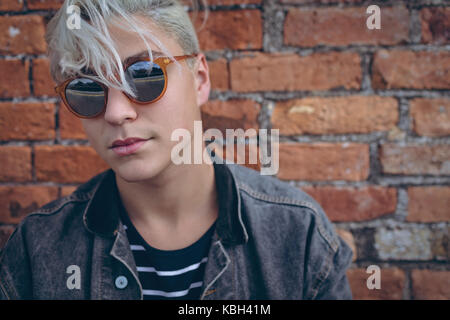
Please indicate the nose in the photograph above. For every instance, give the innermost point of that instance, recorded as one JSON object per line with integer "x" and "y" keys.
{"x": 119, "y": 108}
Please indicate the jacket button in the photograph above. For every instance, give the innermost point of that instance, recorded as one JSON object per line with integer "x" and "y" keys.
{"x": 121, "y": 282}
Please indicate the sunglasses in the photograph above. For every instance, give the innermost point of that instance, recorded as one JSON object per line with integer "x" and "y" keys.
{"x": 87, "y": 98}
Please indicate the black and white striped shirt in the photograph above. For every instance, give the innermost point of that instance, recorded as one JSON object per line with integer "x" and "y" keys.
{"x": 169, "y": 274}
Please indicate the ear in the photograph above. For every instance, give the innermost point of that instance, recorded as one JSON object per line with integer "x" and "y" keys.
{"x": 202, "y": 81}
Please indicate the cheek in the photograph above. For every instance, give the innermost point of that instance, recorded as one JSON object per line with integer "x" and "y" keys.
{"x": 92, "y": 130}
{"x": 178, "y": 108}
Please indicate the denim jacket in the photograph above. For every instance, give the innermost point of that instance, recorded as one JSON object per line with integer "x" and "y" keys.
{"x": 271, "y": 241}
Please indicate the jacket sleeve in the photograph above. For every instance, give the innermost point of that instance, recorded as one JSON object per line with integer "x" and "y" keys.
{"x": 327, "y": 260}
{"x": 15, "y": 273}
{"x": 336, "y": 286}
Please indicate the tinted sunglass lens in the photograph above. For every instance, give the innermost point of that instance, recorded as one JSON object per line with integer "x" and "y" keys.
{"x": 147, "y": 79}
{"x": 86, "y": 97}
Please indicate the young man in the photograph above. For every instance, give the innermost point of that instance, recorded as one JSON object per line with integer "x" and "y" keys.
{"x": 148, "y": 228}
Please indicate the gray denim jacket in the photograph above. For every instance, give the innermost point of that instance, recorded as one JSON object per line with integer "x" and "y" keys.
{"x": 272, "y": 241}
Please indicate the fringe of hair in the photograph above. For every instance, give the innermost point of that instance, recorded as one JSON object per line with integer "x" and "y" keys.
{"x": 73, "y": 51}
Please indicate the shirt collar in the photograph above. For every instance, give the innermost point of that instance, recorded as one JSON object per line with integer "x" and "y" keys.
{"x": 102, "y": 215}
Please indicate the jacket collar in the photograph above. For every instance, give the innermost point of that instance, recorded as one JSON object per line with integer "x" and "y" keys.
{"x": 102, "y": 216}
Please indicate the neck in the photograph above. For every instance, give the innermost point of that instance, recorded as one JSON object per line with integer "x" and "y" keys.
{"x": 179, "y": 196}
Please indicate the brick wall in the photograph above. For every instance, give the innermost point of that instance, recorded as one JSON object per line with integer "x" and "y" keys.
{"x": 364, "y": 117}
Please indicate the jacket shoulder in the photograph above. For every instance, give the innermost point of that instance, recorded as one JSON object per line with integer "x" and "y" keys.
{"x": 55, "y": 214}
{"x": 286, "y": 197}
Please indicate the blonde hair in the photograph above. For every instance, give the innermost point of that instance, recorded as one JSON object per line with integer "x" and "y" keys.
{"x": 74, "y": 51}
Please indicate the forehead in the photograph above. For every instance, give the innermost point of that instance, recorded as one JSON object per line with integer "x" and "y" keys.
{"x": 129, "y": 44}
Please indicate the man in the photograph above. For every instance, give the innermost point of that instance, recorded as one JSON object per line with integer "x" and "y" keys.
{"x": 148, "y": 228}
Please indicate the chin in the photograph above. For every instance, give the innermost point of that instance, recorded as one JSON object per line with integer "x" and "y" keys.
{"x": 140, "y": 169}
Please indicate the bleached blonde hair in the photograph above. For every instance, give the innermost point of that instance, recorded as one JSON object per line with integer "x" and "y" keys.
{"x": 90, "y": 47}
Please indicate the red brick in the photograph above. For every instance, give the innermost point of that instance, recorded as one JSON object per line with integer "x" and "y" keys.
{"x": 399, "y": 69}
{"x": 5, "y": 233}
{"x": 354, "y": 204}
{"x": 67, "y": 164}
{"x": 17, "y": 83}
{"x": 392, "y": 284}
{"x": 230, "y": 114}
{"x": 435, "y": 25}
{"x": 15, "y": 162}
{"x": 67, "y": 190}
{"x": 27, "y": 121}
{"x": 324, "y": 161}
{"x": 428, "y": 204}
{"x": 11, "y": 5}
{"x": 70, "y": 126}
{"x": 415, "y": 159}
{"x": 288, "y": 72}
{"x": 241, "y": 29}
{"x": 219, "y": 75}
{"x": 431, "y": 117}
{"x": 339, "y": 27}
{"x": 43, "y": 83}
{"x": 22, "y": 34}
{"x": 17, "y": 202}
{"x": 337, "y": 115}
{"x": 430, "y": 285}
{"x": 348, "y": 238}
{"x": 44, "y": 4}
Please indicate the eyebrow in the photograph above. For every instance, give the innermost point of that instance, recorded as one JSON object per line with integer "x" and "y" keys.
{"x": 141, "y": 54}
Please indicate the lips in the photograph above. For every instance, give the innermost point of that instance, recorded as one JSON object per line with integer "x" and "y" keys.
{"x": 126, "y": 142}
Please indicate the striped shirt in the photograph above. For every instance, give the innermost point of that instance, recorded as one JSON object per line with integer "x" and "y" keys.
{"x": 169, "y": 274}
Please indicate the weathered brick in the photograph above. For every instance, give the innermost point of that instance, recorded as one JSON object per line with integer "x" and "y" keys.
{"x": 354, "y": 204}
{"x": 344, "y": 26}
{"x": 67, "y": 164}
{"x": 324, "y": 161}
{"x": 435, "y": 25}
{"x": 219, "y": 75}
{"x": 400, "y": 69}
{"x": 44, "y": 4}
{"x": 430, "y": 284}
{"x": 67, "y": 190}
{"x": 43, "y": 83}
{"x": 392, "y": 282}
{"x": 431, "y": 117}
{"x": 11, "y": 5}
{"x": 230, "y": 114}
{"x": 403, "y": 243}
{"x": 17, "y": 202}
{"x": 415, "y": 159}
{"x": 216, "y": 34}
{"x": 348, "y": 238}
{"x": 440, "y": 242}
{"x": 22, "y": 34}
{"x": 337, "y": 115}
{"x": 5, "y": 233}
{"x": 428, "y": 204}
{"x": 27, "y": 121}
{"x": 288, "y": 72}
{"x": 17, "y": 83}
{"x": 15, "y": 163}
{"x": 70, "y": 126}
